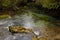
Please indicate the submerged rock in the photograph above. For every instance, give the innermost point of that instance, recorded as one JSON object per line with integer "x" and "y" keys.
{"x": 19, "y": 29}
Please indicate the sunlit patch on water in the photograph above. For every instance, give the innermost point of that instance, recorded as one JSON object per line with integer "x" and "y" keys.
{"x": 37, "y": 33}
{"x": 27, "y": 21}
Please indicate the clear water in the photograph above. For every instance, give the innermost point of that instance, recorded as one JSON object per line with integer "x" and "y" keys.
{"x": 24, "y": 20}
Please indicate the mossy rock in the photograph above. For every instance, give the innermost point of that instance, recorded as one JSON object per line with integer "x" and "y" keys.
{"x": 4, "y": 16}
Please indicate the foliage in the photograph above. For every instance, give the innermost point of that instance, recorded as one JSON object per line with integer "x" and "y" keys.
{"x": 49, "y": 3}
{"x": 15, "y": 3}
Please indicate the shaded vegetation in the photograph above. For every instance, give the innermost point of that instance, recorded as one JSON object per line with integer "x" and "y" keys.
{"x": 49, "y": 7}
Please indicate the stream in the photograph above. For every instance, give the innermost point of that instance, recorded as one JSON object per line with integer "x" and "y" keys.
{"x": 24, "y": 20}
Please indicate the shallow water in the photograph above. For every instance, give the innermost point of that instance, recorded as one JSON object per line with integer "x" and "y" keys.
{"x": 22, "y": 21}
{"x": 26, "y": 21}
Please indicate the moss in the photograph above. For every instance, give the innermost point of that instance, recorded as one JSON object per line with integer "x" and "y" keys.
{"x": 4, "y": 16}
{"x": 42, "y": 17}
